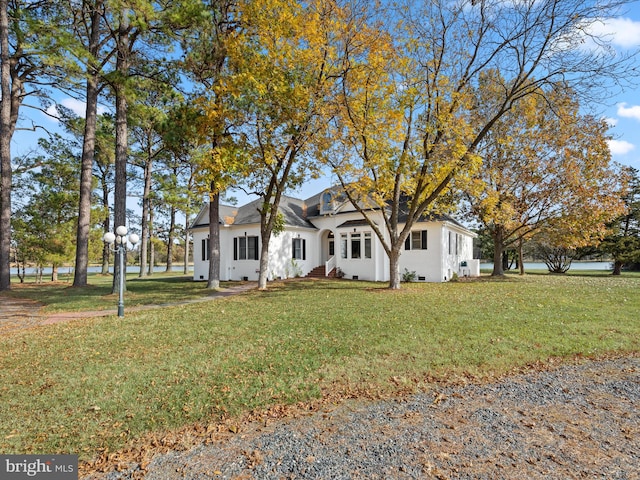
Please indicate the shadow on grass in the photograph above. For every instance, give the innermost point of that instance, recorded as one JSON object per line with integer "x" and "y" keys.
{"x": 279, "y": 287}
{"x": 98, "y": 295}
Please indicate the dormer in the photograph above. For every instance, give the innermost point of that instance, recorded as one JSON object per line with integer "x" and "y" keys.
{"x": 327, "y": 206}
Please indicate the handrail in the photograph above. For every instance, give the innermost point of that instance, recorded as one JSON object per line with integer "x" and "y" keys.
{"x": 329, "y": 265}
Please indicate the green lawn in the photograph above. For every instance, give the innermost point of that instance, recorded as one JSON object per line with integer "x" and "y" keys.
{"x": 84, "y": 386}
{"x": 158, "y": 289}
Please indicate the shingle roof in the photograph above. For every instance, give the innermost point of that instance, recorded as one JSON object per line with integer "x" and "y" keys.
{"x": 293, "y": 210}
{"x": 313, "y": 203}
{"x": 296, "y": 212}
{"x": 353, "y": 223}
{"x": 202, "y": 219}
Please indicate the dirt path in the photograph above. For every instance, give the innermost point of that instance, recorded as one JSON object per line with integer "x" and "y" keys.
{"x": 17, "y": 314}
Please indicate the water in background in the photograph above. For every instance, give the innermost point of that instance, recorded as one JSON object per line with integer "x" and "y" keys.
{"x": 130, "y": 269}
{"x": 604, "y": 266}
{"x": 574, "y": 266}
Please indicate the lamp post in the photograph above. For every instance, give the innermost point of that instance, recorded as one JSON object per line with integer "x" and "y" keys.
{"x": 118, "y": 244}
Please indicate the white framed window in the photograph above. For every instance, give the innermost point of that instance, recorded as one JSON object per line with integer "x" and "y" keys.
{"x": 299, "y": 249}
{"x": 326, "y": 204}
{"x": 343, "y": 245}
{"x": 367, "y": 245}
{"x": 356, "y": 244}
{"x": 455, "y": 243}
{"x": 245, "y": 248}
{"x": 417, "y": 240}
{"x": 205, "y": 249}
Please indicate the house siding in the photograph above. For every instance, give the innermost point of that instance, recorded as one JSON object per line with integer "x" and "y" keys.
{"x": 425, "y": 263}
{"x": 436, "y": 263}
{"x": 200, "y": 267}
{"x": 281, "y": 264}
{"x": 457, "y": 248}
{"x": 281, "y": 261}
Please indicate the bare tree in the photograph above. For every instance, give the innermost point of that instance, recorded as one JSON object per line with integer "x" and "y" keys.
{"x": 406, "y": 127}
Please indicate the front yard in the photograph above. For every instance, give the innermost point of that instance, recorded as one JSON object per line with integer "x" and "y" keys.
{"x": 105, "y": 384}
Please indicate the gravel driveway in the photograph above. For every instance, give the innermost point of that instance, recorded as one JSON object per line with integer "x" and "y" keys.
{"x": 574, "y": 421}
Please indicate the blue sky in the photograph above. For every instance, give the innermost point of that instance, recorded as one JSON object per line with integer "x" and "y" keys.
{"x": 622, "y": 112}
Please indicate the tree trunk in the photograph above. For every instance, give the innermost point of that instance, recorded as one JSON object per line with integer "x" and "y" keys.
{"x": 394, "y": 270}
{"x": 152, "y": 258}
{"x": 86, "y": 185}
{"x": 106, "y": 227}
{"x": 265, "y": 235}
{"x": 88, "y": 153}
{"x": 617, "y": 267}
{"x": 185, "y": 269}
{"x": 146, "y": 207}
{"x": 54, "y": 273}
{"x": 214, "y": 240}
{"x": 22, "y": 276}
{"x": 152, "y": 245}
{"x": 498, "y": 250}
{"x": 6, "y": 132}
{"x": 268, "y": 215}
{"x": 120, "y": 192}
{"x": 144, "y": 239}
{"x": 520, "y": 257}
{"x": 172, "y": 228}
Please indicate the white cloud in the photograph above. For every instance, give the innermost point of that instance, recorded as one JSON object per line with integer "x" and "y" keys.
{"x": 620, "y": 147}
{"x": 629, "y": 112}
{"x": 595, "y": 36}
{"x": 621, "y": 32}
{"x": 612, "y": 122}
{"x": 76, "y": 106}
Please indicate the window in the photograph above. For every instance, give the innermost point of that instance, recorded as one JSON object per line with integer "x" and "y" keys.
{"x": 343, "y": 245}
{"x": 205, "y": 249}
{"x": 327, "y": 203}
{"x": 245, "y": 248}
{"x": 416, "y": 240}
{"x": 299, "y": 249}
{"x": 455, "y": 243}
{"x": 367, "y": 245}
{"x": 252, "y": 248}
{"x": 355, "y": 245}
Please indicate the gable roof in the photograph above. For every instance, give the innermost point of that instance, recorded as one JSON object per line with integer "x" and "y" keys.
{"x": 292, "y": 209}
{"x": 202, "y": 219}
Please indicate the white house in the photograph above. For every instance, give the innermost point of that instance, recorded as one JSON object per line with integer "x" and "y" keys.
{"x": 325, "y": 234}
